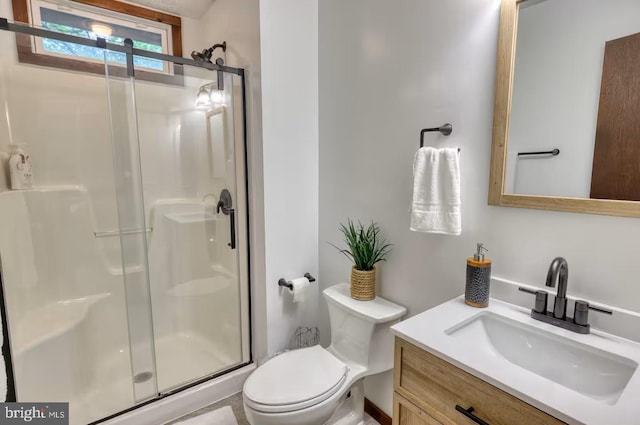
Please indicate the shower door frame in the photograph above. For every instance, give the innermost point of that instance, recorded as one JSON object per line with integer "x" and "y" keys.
{"x": 130, "y": 52}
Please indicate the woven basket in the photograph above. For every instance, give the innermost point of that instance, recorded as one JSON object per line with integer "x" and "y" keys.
{"x": 363, "y": 284}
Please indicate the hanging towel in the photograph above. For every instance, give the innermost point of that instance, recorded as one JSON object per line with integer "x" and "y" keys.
{"x": 436, "y": 192}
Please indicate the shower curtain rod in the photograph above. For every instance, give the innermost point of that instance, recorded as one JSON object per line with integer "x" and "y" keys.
{"x": 128, "y": 48}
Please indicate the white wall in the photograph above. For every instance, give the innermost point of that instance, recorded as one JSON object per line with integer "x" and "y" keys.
{"x": 388, "y": 69}
{"x": 557, "y": 91}
{"x": 289, "y": 37}
{"x": 238, "y": 23}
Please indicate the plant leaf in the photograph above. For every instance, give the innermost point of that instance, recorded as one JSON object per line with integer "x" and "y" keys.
{"x": 365, "y": 246}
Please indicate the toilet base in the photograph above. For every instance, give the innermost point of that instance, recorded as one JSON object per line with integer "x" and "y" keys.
{"x": 351, "y": 409}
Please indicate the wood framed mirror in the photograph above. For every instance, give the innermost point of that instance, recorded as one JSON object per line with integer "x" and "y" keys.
{"x": 566, "y": 132}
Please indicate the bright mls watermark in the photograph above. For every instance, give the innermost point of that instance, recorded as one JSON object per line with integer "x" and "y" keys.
{"x": 34, "y": 413}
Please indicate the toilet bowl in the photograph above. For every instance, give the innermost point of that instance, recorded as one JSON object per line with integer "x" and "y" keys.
{"x": 324, "y": 386}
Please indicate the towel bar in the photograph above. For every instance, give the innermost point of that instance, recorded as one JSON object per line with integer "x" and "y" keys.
{"x": 445, "y": 129}
{"x": 123, "y": 232}
{"x": 554, "y": 152}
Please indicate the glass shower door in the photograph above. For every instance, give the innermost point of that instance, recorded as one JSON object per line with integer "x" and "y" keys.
{"x": 74, "y": 315}
{"x": 193, "y": 200}
{"x": 133, "y": 230}
{"x": 125, "y": 268}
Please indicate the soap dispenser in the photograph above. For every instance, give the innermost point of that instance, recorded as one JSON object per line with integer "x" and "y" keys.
{"x": 20, "y": 169}
{"x": 476, "y": 292}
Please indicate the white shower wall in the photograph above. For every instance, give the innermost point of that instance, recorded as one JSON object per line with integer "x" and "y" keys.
{"x": 62, "y": 118}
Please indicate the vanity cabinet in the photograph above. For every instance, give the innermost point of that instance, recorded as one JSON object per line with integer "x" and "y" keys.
{"x": 431, "y": 391}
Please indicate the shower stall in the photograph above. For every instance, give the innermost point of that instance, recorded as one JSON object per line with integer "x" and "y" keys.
{"x": 125, "y": 270}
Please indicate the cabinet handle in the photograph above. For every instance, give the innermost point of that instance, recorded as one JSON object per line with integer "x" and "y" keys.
{"x": 469, "y": 414}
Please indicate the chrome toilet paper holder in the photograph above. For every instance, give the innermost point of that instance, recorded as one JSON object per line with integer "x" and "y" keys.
{"x": 283, "y": 281}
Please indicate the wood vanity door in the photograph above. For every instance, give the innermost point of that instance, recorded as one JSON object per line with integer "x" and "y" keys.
{"x": 405, "y": 413}
{"x": 436, "y": 387}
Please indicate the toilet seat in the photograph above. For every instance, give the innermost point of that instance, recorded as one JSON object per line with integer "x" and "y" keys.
{"x": 295, "y": 380}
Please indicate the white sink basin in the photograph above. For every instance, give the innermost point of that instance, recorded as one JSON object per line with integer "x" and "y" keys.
{"x": 589, "y": 379}
{"x": 590, "y": 371}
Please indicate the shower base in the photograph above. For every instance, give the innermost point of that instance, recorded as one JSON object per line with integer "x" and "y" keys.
{"x": 186, "y": 357}
{"x": 180, "y": 359}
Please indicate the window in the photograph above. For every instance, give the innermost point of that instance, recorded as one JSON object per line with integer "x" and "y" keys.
{"x": 83, "y": 23}
{"x": 112, "y": 20}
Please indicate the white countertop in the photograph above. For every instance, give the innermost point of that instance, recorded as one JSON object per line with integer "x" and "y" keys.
{"x": 427, "y": 330}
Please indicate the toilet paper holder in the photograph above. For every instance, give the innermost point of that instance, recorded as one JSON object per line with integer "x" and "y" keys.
{"x": 283, "y": 281}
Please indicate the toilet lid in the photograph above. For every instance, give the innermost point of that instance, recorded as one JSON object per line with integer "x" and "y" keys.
{"x": 296, "y": 377}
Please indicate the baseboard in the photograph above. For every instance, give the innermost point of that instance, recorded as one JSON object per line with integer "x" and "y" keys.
{"x": 376, "y": 413}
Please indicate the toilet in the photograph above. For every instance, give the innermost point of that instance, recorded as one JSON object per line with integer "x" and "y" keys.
{"x": 324, "y": 386}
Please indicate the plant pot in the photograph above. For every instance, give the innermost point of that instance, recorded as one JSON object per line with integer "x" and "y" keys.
{"x": 363, "y": 284}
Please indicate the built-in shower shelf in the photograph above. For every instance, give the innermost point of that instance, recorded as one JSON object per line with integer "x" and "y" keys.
{"x": 41, "y": 189}
{"x": 192, "y": 217}
{"x": 43, "y": 324}
{"x": 204, "y": 286}
{"x": 129, "y": 270}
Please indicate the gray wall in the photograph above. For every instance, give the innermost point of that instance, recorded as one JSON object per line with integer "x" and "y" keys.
{"x": 289, "y": 52}
{"x": 388, "y": 69}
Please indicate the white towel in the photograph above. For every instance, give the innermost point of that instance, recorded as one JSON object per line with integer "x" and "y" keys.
{"x": 436, "y": 192}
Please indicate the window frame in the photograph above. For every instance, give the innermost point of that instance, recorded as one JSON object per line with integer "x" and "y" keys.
{"x": 27, "y": 50}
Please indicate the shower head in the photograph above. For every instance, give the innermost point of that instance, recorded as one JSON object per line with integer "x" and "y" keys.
{"x": 205, "y": 55}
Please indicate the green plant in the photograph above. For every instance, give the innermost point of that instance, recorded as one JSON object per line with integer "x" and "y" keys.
{"x": 365, "y": 245}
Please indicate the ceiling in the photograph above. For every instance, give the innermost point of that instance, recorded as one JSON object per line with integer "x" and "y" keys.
{"x": 186, "y": 8}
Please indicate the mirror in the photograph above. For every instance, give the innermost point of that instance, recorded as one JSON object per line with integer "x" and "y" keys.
{"x": 566, "y": 132}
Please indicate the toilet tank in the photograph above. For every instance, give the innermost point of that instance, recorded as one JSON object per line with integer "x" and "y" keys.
{"x": 360, "y": 329}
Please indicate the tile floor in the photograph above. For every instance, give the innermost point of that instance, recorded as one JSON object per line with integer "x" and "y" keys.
{"x": 235, "y": 401}
{"x": 368, "y": 420}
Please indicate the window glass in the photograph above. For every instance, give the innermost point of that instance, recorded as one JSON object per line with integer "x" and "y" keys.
{"x": 85, "y": 24}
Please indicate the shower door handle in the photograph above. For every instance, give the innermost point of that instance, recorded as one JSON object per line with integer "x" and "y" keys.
{"x": 225, "y": 206}
{"x": 232, "y": 228}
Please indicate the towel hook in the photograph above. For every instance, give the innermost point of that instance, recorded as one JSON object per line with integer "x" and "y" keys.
{"x": 445, "y": 129}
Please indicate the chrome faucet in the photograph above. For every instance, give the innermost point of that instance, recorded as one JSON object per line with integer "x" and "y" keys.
{"x": 559, "y": 271}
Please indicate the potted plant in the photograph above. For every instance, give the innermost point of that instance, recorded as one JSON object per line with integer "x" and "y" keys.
{"x": 365, "y": 248}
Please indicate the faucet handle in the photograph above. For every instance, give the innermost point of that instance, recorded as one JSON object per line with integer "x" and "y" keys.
{"x": 581, "y": 314}
{"x": 527, "y": 290}
{"x": 541, "y": 299}
{"x": 582, "y": 305}
{"x": 601, "y": 310}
